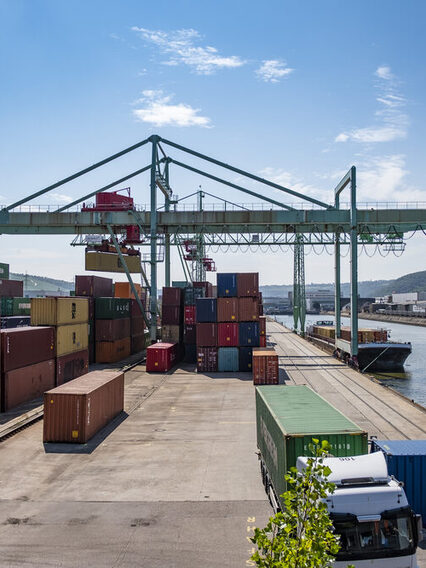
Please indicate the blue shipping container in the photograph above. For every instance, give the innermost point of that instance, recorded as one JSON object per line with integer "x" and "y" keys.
{"x": 249, "y": 334}
{"x": 227, "y": 359}
{"x": 206, "y": 309}
{"x": 406, "y": 460}
{"x": 226, "y": 285}
{"x": 246, "y": 354}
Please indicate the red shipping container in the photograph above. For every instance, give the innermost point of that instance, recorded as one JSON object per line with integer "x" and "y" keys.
{"x": 27, "y": 383}
{"x": 75, "y": 411}
{"x": 208, "y": 288}
{"x": 25, "y": 346}
{"x": 135, "y": 311}
{"x": 262, "y": 325}
{"x": 189, "y": 335}
{"x": 112, "y": 330}
{"x": 248, "y": 284}
{"x": 94, "y": 286}
{"x": 190, "y": 315}
{"x": 138, "y": 342}
{"x": 161, "y": 357}
{"x": 227, "y": 310}
{"x": 112, "y": 351}
{"x": 207, "y": 359}
{"x": 172, "y": 296}
{"x": 11, "y": 288}
{"x": 262, "y": 341}
{"x": 137, "y": 326}
{"x": 265, "y": 366}
{"x": 261, "y": 309}
{"x": 171, "y": 315}
{"x": 227, "y": 334}
{"x": 71, "y": 366}
{"x": 248, "y": 309}
{"x": 207, "y": 334}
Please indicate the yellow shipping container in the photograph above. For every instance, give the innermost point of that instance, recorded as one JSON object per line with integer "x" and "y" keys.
{"x": 71, "y": 338}
{"x": 110, "y": 262}
{"x": 123, "y": 290}
{"x": 59, "y": 311}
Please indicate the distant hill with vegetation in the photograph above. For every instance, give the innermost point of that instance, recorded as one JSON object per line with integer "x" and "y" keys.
{"x": 35, "y": 283}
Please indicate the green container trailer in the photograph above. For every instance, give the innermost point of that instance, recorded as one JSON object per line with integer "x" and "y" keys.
{"x": 112, "y": 308}
{"x": 4, "y": 271}
{"x": 21, "y": 306}
{"x": 287, "y": 418}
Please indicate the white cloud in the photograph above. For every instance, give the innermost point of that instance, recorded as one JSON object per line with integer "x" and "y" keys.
{"x": 291, "y": 181}
{"x": 272, "y": 70}
{"x": 60, "y": 198}
{"x": 180, "y": 46}
{"x": 158, "y": 111}
{"x": 392, "y": 122}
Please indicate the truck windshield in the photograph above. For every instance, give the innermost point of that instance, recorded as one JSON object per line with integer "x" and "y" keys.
{"x": 391, "y": 536}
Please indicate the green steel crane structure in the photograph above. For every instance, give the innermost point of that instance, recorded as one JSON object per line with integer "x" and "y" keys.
{"x": 299, "y": 296}
{"x": 276, "y": 222}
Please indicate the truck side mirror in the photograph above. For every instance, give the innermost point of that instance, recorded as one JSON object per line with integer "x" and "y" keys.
{"x": 419, "y": 523}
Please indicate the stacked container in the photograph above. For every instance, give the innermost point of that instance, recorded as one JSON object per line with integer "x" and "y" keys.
{"x": 27, "y": 364}
{"x": 265, "y": 366}
{"x": 207, "y": 335}
{"x": 13, "y": 306}
{"x": 69, "y": 316}
{"x": 112, "y": 329}
{"x": 172, "y": 315}
{"x": 138, "y": 336}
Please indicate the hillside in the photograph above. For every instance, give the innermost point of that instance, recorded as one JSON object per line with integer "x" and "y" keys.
{"x": 34, "y": 283}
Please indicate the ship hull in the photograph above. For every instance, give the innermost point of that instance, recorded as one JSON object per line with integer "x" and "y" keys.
{"x": 382, "y": 356}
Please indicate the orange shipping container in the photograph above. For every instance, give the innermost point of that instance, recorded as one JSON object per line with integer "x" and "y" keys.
{"x": 123, "y": 290}
{"x": 75, "y": 411}
{"x": 248, "y": 309}
{"x": 227, "y": 310}
{"x": 265, "y": 366}
{"x": 112, "y": 351}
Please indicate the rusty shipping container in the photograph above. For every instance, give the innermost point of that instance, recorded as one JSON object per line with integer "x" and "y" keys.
{"x": 248, "y": 309}
{"x": 206, "y": 334}
{"x": 227, "y": 335}
{"x": 59, "y": 311}
{"x": 171, "y": 333}
{"x": 71, "y": 366}
{"x": 112, "y": 351}
{"x": 171, "y": 315}
{"x": 124, "y": 290}
{"x": 265, "y": 366}
{"x": 172, "y": 296}
{"x": 77, "y": 410}
{"x": 25, "y": 346}
{"x": 113, "y": 329}
{"x": 94, "y": 286}
{"x": 262, "y": 325}
{"x": 227, "y": 310}
{"x": 137, "y": 326}
{"x": 161, "y": 357}
{"x": 248, "y": 284}
{"x": 71, "y": 338}
{"x": 207, "y": 359}
{"x": 26, "y": 383}
{"x": 11, "y": 288}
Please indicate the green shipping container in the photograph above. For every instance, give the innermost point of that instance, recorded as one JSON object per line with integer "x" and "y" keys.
{"x": 288, "y": 417}
{"x": 21, "y": 306}
{"x": 6, "y": 306}
{"x": 112, "y": 308}
{"x": 4, "y": 271}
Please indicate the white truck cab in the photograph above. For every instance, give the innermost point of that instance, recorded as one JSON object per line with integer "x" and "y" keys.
{"x": 370, "y": 512}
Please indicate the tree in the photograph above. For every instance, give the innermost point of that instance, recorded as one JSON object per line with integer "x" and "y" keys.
{"x": 301, "y": 536}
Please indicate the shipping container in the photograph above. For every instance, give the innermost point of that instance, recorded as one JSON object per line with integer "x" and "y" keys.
{"x": 71, "y": 338}
{"x": 406, "y": 461}
{"x": 4, "y": 271}
{"x": 262, "y": 325}
{"x": 77, "y": 410}
{"x": 6, "y": 306}
{"x": 111, "y": 330}
{"x": 138, "y": 342}
{"x": 206, "y": 286}
{"x": 26, "y": 346}
{"x": 262, "y": 341}
{"x": 227, "y": 309}
{"x": 180, "y": 284}
{"x": 59, "y": 311}
{"x": 137, "y": 326}
{"x": 206, "y": 310}
{"x": 172, "y": 296}
{"x": 21, "y": 306}
{"x": 226, "y": 285}
{"x": 207, "y": 359}
{"x": 112, "y": 308}
{"x": 112, "y": 351}
{"x": 15, "y": 321}
{"x": 190, "y": 353}
{"x": 284, "y": 432}
{"x": 248, "y": 309}
{"x": 189, "y": 334}
{"x": 94, "y": 286}
{"x": 249, "y": 334}
{"x": 135, "y": 311}
{"x": 265, "y": 366}
{"x": 171, "y": 333}
{"x": 171, "y": 315}
{"x": 245, "y": 359}
{"x": 227, "y": 335}
{"x": 190, "y": 315}
{"x": 110, "y": 262}
{"x": 227, "y": 359}
{"x": 206, "y": 334}
{"x": 191, "y": 294}
{"x": 71, "y": 366}
{"x": 124, "y": 290}
{"x": 260, "y": 309}
{"x": 248, "y": 284}
{"x": 26, "y": 383}
{"x": 11, "y": 288}
{"x": 161, "y": 357}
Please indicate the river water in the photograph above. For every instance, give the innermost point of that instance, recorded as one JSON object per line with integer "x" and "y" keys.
{"x": 412, "y": 382}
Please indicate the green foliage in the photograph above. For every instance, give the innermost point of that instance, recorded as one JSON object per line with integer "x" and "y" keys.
{"x": 301, "y": 536}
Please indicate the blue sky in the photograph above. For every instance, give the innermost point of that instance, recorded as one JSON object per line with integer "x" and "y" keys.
{"x": 293, "y": 91}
